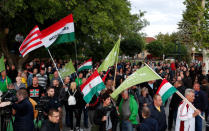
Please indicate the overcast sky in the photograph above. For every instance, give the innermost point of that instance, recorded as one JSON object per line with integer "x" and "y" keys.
{"x": 163, "y": 15}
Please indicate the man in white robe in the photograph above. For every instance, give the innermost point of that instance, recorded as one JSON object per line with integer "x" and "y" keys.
{"x": 185, "y": 120}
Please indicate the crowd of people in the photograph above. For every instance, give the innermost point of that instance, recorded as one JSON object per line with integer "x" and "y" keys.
{"x": 138, "y": 108}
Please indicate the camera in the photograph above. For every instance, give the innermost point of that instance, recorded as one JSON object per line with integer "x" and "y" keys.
{"x": 10, "y": 95}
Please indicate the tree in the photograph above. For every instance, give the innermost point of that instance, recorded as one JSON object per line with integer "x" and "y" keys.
{"x": 96, "y": 21}
{"x": 132, "y": 45}
{"x": 195, "y": 23}
{"x": 155, "y": 48}
{"x": 178, "y": 51}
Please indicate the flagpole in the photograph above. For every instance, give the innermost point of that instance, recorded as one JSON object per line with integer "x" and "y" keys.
{"x": 179, "y": 94}
{"x": 55, "y": 66}
{"x": 115, "y": 73}
{"x": 116, "y": 67}
{"x": 76, "y": 62}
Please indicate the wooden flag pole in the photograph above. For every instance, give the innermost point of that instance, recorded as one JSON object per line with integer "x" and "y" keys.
{"x": 116, "y": 64}
{"x": 180, "y": 95}
{"x": 55, "y": 66}
{"x": 115, "y": 74}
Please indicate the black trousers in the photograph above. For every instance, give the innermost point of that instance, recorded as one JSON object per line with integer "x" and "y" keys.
{"x": 77, "y": 113}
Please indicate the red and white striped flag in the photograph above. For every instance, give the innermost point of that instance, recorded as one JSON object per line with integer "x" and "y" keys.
{"x": 31, "y": 42}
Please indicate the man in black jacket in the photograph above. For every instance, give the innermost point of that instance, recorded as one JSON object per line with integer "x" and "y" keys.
{"x": 105, "y": 115}
{"x": 52, "y": 100}
{"x": 158, "y": 112}
{"x": 148, "y": 124}
{"x": 24, "y": 112}
{"x": 200, "y": 103}
{"x": 52, "y": 124}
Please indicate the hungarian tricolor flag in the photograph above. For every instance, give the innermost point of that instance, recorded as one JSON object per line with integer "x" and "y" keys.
{"x": 85, "y": 65}
{"x": 166, "y": 90}
{"x": 60, "y": 32}
{"x": 92, "y": 86}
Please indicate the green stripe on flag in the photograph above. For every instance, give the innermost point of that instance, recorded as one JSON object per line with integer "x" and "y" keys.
{"x": 84, "y": 68}
{"x": 93, "y": 91}
{"x": 64, "y": 38}
{"x": 168, "y": 93}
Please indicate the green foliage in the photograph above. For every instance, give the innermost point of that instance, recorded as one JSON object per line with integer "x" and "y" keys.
{"x": 97, "y": 22}
{"x": 170, "y": 46}
{"x": 132, "y": 45}
{"x": 155, "y": 48}
{"x": 195, "y": 24}
{"x": 175, "y": 50}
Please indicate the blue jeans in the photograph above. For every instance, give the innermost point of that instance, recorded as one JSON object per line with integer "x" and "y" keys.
{"x": 198, "y": 123}
{"x": 126, "y": 126}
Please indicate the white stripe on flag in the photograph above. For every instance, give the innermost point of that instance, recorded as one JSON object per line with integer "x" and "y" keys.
{"x": 68, "y": 28}
{"x": 86, "y": 64}
{"x": 33, "y": 42}
{"x": 35, "y": 35}
{"x": 93, "y": 83}
{"x": 165, "y": 88}
{"x": 31, "y": 49}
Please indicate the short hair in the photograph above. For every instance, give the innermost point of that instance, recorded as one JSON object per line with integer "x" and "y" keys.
{"x": 196, "y": 83}
{"x": 155, "y": 96}
{"x": 188, "y": 91}
{"x": 125, "y": 91}
{"x": 22, "y": 92}
{"x": 50, "y": 87}
{"x": 52, "y": 110}
{"x": 180, "y": 82}
{"x": 146, "y": 111}
{"x": 204, "y": 81}
{"x": 105, "y": 96}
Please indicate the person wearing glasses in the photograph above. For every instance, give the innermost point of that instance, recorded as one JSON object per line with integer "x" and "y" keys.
{"x": 52, "y": 124}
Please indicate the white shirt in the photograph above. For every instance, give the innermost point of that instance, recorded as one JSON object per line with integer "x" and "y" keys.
{"x": 185, "y": 119}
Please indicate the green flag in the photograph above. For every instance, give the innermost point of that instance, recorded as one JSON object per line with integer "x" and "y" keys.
{"x": 111, "y": 58}
{"x": 2, "y": 65}
{"x": 143, "y": 74}
{"x": 67, "y": 70}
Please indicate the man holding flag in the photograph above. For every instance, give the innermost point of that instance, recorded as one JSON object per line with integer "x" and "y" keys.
{"x": 185, "y": 120}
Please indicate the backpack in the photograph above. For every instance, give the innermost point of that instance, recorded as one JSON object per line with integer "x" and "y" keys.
{"x": 71, "y": 99}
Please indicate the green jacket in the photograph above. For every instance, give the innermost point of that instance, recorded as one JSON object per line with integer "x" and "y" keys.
{"x": 3, "y": 84}
{"x": 78, "y": 82}
{"x": 133, "y": 108}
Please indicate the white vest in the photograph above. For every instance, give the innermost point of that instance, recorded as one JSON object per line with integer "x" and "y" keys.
{"x": 185, "y": 119}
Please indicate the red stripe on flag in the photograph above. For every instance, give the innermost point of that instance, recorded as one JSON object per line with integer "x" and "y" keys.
{"x": 61, "y": 23}
{"x": 94, "y": 75}
{"x": 25, "y": 45}
{"x": 38, "y": 43}
{"x": 103, "y": 79}
{"x": 90, "y": 60}
{"x": 163, "y": 82}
